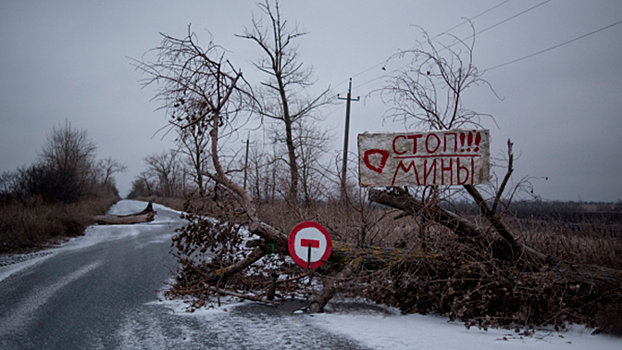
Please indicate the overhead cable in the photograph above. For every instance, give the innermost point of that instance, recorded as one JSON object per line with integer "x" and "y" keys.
{"x": 436, "y": 36}
{"x": 555, "y": 46}
{"x": 468, "y": 37}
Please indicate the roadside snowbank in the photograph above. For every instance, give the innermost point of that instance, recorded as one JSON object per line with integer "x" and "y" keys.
{"x": 434, "y": 332}
{"x": 385, "y": 328}
{"x": 13, "y": 263}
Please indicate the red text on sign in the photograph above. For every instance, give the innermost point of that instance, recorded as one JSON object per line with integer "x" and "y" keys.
{"x": 430, "y": 143}
{"x": 458, "y": 170}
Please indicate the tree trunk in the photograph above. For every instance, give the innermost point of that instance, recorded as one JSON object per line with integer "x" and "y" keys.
{"x": 128, "y": 220}
{"x": 147, "y": 215}
{"x": 224, "y": 273}
{"x": 562, "y": 271}
{"x": 331, "y": 286}
{"x": 291, "y": 150}
{"x": 370, "y": 258}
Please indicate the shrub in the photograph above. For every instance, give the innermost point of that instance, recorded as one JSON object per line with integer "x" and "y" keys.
{"x": 33, "y": 223}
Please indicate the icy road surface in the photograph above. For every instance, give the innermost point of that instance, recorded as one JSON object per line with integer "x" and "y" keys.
{"x": 103, "y": 291}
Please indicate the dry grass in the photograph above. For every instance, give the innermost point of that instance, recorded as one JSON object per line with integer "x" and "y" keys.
{"x": 468, "y": 283}
{"x": 34, "y": 224}
{"x": 367, "y": 225}
{"x": 593, "y": 241}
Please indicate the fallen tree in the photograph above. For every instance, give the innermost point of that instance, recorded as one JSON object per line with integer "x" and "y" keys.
{"x": 146, "y": 215}
{"x": 506, "y": 247}
{"x": 348, "y": 259}
{"x": 371, "y": 258}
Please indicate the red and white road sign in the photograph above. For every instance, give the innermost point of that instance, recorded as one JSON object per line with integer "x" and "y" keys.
{"x": 309, "y": 244}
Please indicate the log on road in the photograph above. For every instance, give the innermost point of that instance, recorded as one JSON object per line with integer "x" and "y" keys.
{"x": 146, "y": 215}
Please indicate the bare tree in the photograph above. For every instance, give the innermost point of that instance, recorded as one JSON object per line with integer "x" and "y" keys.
{"x": 282, "y": 98}
{"x": 142, "y": 185}
{"x": 9, "y": 182}
{"x": 312, "y": 143}
{"x": 66, "y": 170}
{"x": 428, "y": 92}
{"x": 257, "y": 169}
{"x": 166, "y": 168}
{"x": 68, "y": 148}
{"x": 199, "y": 86}
{"x": 194, "y": 143}
{"x": 71, "y": 151}
{"x": 71, "y": 154}
{"x": 107, "y": 167}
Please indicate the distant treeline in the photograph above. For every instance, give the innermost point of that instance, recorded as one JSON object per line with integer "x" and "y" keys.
{"x": 58, "y": 194}
{"x": 66, "y": 171}
{"x": 568, "y": 211}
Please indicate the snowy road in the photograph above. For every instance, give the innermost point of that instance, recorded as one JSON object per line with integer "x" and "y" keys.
{"x": 102, "y": 291}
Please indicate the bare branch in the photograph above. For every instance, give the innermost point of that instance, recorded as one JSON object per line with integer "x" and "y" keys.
{"x": 506, "y": 178}
{"x": 428, "y": 92}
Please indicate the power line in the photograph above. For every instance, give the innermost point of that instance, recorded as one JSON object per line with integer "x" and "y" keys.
{"x": 555, "y": 46}
{"x": 436, "y": 36}
{"x": 471, "y": 19}
{"x": 508, "y": 19}
{"x": 530, "y": 55}
{"x": 470, "y": 36}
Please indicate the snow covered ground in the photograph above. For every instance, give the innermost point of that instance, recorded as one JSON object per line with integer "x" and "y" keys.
{"x": 433, "y": 332}
{"x": 385, "y": 328}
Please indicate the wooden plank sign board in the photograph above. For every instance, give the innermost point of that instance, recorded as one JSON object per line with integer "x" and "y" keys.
{"x": 448, "y": 157}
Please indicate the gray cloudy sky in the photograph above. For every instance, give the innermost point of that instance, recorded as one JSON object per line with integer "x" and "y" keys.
{"x": 562, "y": 108}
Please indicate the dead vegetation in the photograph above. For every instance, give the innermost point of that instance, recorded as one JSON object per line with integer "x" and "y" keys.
{"x": 434, "y": 271}
{"x": 32, "y": 224}
{"x": 58, "y": 195}
{"x": 592, "y": 241}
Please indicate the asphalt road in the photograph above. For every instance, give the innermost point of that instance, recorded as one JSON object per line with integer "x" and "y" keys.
{"x": 103, "y": 291}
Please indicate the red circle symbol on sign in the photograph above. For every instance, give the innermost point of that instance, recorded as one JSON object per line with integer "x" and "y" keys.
{"x": 309, "y": 244}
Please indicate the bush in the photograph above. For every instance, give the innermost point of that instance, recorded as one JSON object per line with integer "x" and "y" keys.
{"x": 34, "y": 223}
{"x": 491, "y": 293}
{"x": 49, "y": 183}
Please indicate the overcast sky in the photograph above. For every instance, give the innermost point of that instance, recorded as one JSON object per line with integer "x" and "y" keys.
{"x": 562, "y": 108}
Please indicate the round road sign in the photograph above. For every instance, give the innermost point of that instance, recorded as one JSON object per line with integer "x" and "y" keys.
{"x": 309, "y": 244}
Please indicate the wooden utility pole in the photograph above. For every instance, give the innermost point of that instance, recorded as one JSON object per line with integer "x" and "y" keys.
{"x": 246, "y": 159}
{"x": 344, "y": 167}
